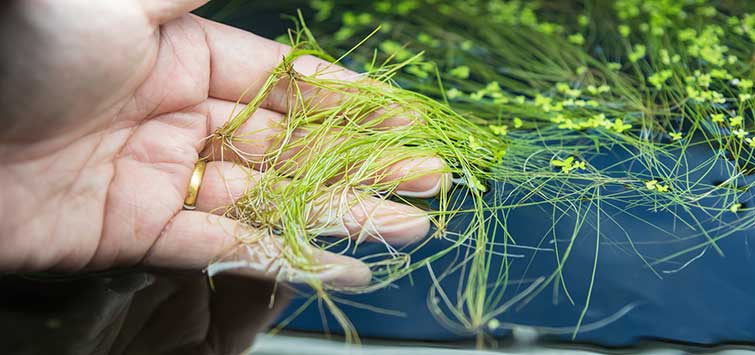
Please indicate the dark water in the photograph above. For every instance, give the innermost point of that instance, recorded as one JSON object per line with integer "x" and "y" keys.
{"x": 133, "y": 312}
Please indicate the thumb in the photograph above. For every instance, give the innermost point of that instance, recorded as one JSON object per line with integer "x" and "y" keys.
{"x": 162, "y": 11}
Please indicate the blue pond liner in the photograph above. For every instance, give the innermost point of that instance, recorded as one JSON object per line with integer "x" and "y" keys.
{"x": 700, "y": 297}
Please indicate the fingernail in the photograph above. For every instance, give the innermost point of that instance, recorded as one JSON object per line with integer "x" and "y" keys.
{"x": 396, "y": 223}
{"x": 442, "y": 182}
{"x": 427, "y": 185}
{"x": 333, "y": 269}
{"x": 343, "y": 271}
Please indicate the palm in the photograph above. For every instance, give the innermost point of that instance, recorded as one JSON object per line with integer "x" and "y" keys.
{"x": 124, "y": 175}
{"x": 114, "y": 182}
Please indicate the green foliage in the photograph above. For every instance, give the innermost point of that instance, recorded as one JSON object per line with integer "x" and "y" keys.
{"x": 526, "y": 93}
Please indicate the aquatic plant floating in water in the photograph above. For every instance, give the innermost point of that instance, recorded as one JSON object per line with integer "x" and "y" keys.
{"x": 535, "y": 97}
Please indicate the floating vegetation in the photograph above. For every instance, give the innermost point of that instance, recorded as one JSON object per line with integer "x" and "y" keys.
{"x": 590, "y": 109}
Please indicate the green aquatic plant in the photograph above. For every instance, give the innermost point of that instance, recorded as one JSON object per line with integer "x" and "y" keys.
{"x": 528, "y": 95}
{"x": 291, "y": 198}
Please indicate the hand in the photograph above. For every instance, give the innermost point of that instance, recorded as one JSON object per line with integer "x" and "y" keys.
{"x": 105, "y": 109}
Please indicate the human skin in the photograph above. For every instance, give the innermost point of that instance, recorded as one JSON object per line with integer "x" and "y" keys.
{"x": 105, "y": 106}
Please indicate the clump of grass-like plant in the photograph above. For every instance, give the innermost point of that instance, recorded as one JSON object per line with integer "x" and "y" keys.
{"x": 340, "y": 154}
{"x": 526, "y": 95}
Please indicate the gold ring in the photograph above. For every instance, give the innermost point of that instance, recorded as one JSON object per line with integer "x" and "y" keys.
{"x": 190, "y": 202}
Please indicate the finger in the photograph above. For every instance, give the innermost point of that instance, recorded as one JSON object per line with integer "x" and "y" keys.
{"x": 420, "y": 177}
{"x": 258, "y": 136}
{"x": 368, "y": 218}
{"x": 235, "y": 77}
{"x": 223, "y": 184}
{"x": 194, "y": 239}
{"x": 162, "y": 11}
{"x": 343, "y": 214}
{"x": 234, "y": 74}
{"x": 262, "y": 133}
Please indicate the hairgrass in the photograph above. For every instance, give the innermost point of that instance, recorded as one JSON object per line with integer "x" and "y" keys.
{"x": 525, "y": 94}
